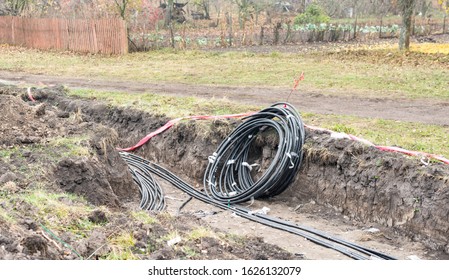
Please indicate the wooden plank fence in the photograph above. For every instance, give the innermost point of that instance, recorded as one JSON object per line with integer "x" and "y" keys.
{"x": 106, "y": 36}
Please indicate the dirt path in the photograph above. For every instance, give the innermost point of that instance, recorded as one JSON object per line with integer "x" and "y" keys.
{"x": 424, "y": 111}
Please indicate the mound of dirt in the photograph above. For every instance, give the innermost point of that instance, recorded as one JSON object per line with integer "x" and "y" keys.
{"x": 28, "y": 132}
{"x": 26, "y": 127}
{"x": 21, "y": 124}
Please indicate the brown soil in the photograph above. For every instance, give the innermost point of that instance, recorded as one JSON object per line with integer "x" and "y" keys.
{"x": 26, "y": 131}
{"x": 343, "y": 188}
{"x": 342, "y": 103}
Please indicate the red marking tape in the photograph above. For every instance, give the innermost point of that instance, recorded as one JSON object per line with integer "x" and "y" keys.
{"x": 345, "y": 135}
{"x": 30, "y": 96}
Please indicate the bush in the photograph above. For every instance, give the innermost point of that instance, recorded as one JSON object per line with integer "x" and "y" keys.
{"x": 313, "y": 14}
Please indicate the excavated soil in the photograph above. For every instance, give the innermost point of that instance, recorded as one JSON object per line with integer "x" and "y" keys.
{"x": 35, "y": 160}
{"x": 349, "y": 186}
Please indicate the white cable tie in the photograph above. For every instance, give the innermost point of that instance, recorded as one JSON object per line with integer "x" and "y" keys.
{"x": 252, "y": 201}
{"x": 231, "y": 161}
{"x": 255, "y": 164}
{"x": 211, "y": 185}
{"x": 212, "y": 159}
{"x": 250, "y": 166}
{"x": 232, "y": 193}
{"x": 250, "y": 136}
{"x": 234, "y": 184}
{"x": 247, "y": 165}
{"x": 291, "y": 161}
{"x": 423, "y": 160}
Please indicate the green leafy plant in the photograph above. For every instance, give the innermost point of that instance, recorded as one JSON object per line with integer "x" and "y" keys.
{"x": 313, "y": 14}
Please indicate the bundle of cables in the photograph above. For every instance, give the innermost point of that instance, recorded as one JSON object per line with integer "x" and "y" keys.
{"x": 228, "y": 177}
{"x": 152, "y": 196}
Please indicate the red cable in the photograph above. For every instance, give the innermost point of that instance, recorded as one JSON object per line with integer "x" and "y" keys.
{"x": 30, "y": 96}
{"x": 349, "y": 136}
{"x": 174, "y": 121}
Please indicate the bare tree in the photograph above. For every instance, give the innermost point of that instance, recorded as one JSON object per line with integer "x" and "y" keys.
{"x": 121, "y": 6}
{"x": 168, "y": 13}
{"x": 444, "y": 4}
{"x": 407, "y": 7}
{"x": 204, "y": 5}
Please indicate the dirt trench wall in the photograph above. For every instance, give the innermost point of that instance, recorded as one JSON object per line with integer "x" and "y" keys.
{"x": 359, "y": 181}
{"x": 373, "y": 186}
{"x": 100, "y": 176}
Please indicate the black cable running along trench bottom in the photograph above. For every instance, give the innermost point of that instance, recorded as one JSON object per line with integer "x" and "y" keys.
{"x": 229, "y": 178}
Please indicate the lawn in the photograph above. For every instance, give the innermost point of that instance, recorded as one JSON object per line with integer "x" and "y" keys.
{"x": 324, "y": 73}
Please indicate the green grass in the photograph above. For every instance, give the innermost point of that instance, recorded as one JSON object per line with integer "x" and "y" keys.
{"x": 121, "y": 247}
{"x": 74, "y": 146}
{"x": 409, "y": 135}
{"x": 53, "y": 150}
{"x": 199, "y": 233}
{"x": 45, "y": 154}
{"x": 173, "y": 107}
{"x": 5, "y": 216}
{"x": 59, "y": 211}
{"x": 327, "y": 75}
{"x": 190, "y": 252}
{"x": 144, "y": 217}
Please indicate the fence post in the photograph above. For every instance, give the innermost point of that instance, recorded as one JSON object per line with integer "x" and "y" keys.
{"x": 13, "y": 31}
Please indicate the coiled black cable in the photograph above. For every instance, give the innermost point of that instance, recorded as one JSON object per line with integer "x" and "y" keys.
{"x": 228, "y": 179}
{"x": 228, "y": 175}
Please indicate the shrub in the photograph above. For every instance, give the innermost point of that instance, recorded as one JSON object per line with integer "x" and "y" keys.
{"x": 313, "y": 14}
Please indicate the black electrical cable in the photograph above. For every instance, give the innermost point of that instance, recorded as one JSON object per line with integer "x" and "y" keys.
{"x": 152, "y": 196}
{"x": 228, "y": 178}
{"x": 228, "y": 175}
{"x": 347, "y": 248}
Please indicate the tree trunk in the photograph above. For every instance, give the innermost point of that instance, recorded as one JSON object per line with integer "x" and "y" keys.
{"x": 172, "y": 36}
{"x": 229, "y": 22}
{"x": 407, "y": 7}
{"x": 356, "y": 16}
{"x": 206, "y": 8}
{"x": 444, "y": 23}
{"x": 277, "y": 27}
{"x": 168, "y": 13}
{"x": 380, "y": 26}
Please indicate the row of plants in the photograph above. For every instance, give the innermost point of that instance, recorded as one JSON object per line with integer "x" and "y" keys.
{"x": 307, "y": 33}
{"x": 343, "y": 27}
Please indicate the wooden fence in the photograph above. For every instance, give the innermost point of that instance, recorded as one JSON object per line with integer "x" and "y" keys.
{"x": 106, "y": 36}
